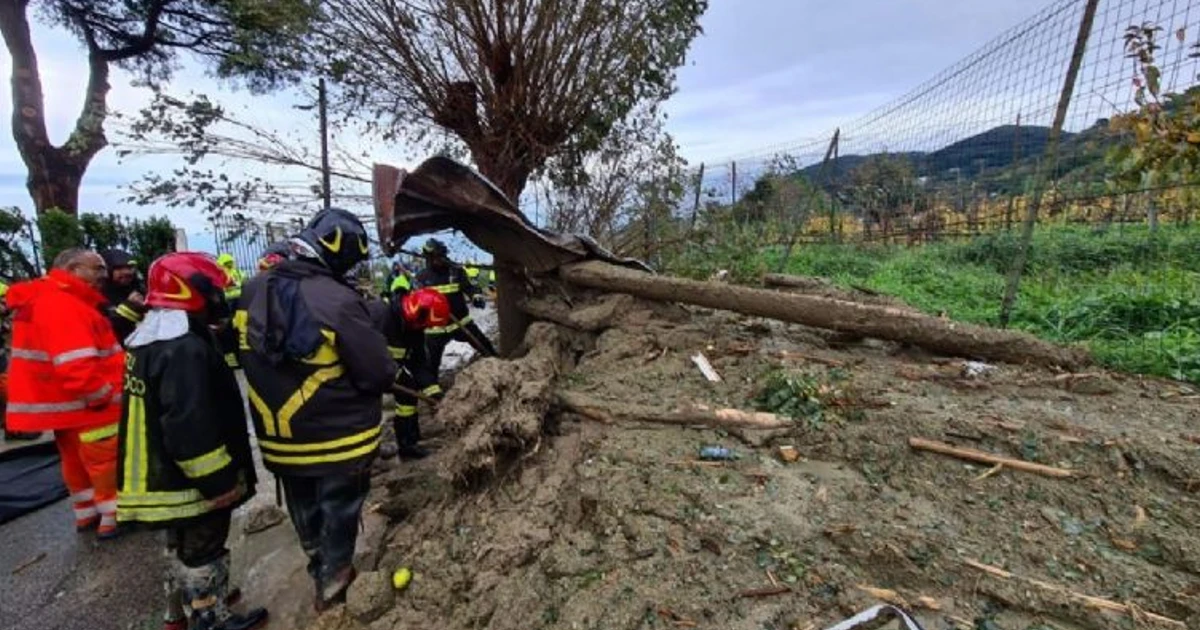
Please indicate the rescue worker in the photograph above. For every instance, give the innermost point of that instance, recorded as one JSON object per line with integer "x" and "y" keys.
{"x": 450, "y": 280}
{"x": 184, "y": 443}
{"x": 65, "y": 376}
{"x": 404, "y": 319}
{"x": 232, "y": 293}
{"x": 5, "y": 332}
{"x": 474, "y": 277}
{"x": 274, "y": 255}
{"x": 125, "y": 306}
{"x": 316, "y": 369}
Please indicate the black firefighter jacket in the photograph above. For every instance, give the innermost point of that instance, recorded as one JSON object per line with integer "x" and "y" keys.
{"x": 123, "y": 314}
{"x": 316, "y": 368}
{"x": 183, "y": 435}
{"x": 451, "y": 282}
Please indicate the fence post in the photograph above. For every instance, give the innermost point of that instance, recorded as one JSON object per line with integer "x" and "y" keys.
{"x": 696, "y": 201}
{"x": 733, "y": 190}
{"x": 1051, "y": 157}
{"x": 799, "y": 225}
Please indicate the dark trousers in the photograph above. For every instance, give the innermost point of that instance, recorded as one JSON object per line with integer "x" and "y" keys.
{"x": 420, "y": 378}
{"x": 435, "y": 345}
{"x": 325, "y": 512}
{"x": 200, "y": 541}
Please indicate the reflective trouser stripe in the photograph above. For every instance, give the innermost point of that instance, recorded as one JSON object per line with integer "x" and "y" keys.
{"x": 406, "y": 411}
{"x": 432, "y": 390}
{"x": 445, "y": 330}
{"x": 101, "y": 433}
{"x": 83, "y": 507}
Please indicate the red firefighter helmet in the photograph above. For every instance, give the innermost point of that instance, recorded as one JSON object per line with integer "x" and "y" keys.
{"x": 270, "y": 260}
{"x": 425, "y": 308}
{"x": 186, "y": 281}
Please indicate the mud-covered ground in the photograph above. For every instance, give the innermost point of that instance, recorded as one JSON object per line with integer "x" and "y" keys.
{"x": 620, "y": 526}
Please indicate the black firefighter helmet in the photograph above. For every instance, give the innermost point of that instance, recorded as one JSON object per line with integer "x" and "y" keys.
{"x": 339, "y": 239}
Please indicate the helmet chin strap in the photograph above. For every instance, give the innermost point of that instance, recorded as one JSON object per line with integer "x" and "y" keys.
{"x": 304, "y": 250}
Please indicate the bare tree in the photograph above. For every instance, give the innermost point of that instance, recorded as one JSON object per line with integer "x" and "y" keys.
{"x": 517, "y": 81}
{"x": 238, "y": 38}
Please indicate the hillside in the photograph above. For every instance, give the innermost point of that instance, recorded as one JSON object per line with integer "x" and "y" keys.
{"x": 1000, "y": 159}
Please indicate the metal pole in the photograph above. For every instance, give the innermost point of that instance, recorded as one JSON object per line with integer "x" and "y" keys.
{"x": 323, "y": 107}
{"x": 1049, "y": 161}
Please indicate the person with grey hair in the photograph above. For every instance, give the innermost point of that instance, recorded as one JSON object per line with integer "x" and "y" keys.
{"x": 65, "y": 375}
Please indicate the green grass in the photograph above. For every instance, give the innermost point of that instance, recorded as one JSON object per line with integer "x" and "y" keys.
{"x": 1131, "y": 296}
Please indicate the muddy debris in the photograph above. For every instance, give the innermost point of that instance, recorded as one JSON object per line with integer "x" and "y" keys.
{"x": 532, "y": 514}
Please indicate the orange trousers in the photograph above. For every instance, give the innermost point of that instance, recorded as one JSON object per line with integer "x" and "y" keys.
{"x": 89, "y": 468}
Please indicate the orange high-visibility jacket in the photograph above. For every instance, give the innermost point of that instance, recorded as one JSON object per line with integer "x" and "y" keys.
{"x": 66, "y": 367}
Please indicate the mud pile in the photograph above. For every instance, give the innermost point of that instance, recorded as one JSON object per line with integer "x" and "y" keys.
{"x": 530, "y": 516}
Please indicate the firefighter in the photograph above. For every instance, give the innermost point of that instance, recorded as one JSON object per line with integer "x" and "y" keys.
{"x": 125, "y": 296}
{"x": 450, "y": 280}
{"x": 316, "y": 368}
{"x": 233, "y": 293}
{"x": 405, "y": 317}
{"x": 65, "y": 375}
{"x": 185, "y": 448}
{"x": 475, "y": 278}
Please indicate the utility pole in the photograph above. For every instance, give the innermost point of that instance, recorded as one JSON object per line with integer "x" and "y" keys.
{"x": 323, "y": 107}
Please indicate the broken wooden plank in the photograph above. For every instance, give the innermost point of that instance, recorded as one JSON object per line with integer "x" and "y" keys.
{"x": 973, "y": 455}
{"x": 706, "y": 368}
{"x": 611, "y": 412}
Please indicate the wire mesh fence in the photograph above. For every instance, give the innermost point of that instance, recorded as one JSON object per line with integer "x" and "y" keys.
{"x": 963, "y": 160}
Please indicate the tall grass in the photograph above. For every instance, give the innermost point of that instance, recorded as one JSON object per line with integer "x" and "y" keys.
{"x": 1131, "y": 295}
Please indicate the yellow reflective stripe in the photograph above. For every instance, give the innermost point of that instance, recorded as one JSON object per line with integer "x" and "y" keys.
{"x": 268, "y": 417}
{"x": 442, "y": 330}
{"x": 307, "y": 390}
{"x": 397, "y": 353}
{"x": 323, "y": 458}
{"x": 241, "y": 319}
{"x": 100, "y": 433}
{"x": 400, "y": 283}
{"x": 159, "y": 499}
{"x": 432, "y": 390}
{"x": 206, "y": 464}
{"x": 446, "y": 288}
{"x": 166, "y": 513}
{"x": 231, "y": 359}
{"x": 326, "y": 353}
{"x": 308, "y": 447}
{"x": 135, "y": 451}
{"x": 405, "y": 411}
{"x": 124, "y": 310}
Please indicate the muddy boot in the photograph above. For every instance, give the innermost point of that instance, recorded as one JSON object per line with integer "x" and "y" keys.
{"x": 333, "y": 591}
{"x": 205, "y": 592}
{"x": 408, "y": 434}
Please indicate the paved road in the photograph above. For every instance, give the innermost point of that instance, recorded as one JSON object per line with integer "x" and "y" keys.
{"x": 79, "y": 584}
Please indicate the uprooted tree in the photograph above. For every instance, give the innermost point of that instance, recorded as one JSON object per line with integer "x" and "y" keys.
{"x": 238, "y": 38}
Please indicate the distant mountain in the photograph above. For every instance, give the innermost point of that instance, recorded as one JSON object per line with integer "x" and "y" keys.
{"x": 992, "y": 150}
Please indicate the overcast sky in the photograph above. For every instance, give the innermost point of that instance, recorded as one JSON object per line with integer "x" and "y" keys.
{"x": 765, "y": 73}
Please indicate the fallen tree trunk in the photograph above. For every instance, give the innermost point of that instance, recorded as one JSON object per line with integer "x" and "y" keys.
{"x": 613, "y": 412}
{"x": 881, "y": 322}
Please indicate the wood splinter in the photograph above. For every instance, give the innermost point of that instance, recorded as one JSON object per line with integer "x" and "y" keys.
{"x": 1136, "y": 612}
{"x": 981, "y": 457}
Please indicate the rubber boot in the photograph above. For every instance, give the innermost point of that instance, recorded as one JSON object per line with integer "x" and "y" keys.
{"x": 408, "y": 434}
{"x": 333, "y": 591}
{"x": 205, "y": 593}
